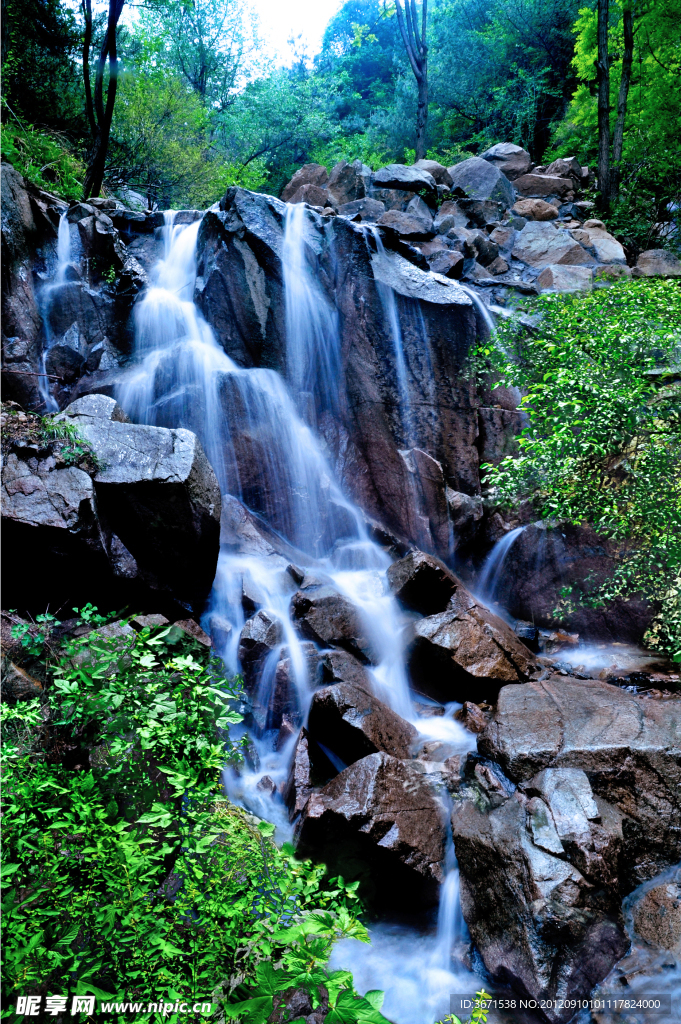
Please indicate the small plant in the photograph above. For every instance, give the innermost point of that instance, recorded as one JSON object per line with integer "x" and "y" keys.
{"x": 478, "y": 1015}
{"x": 35, "y": 636}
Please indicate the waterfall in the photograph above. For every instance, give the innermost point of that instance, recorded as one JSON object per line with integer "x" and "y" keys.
{"x": 47, "y": 296}
{"x": 490, "y": 574}
{"x": 265, "y": 456}
{"x": 389, "y": 304}
{"x": 312, "y": 335}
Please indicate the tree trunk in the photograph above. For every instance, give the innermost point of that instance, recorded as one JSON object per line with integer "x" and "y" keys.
{"x": 603, "y": 78}
{"x": 417, "y": 52}
{"x": 627, "y": 61}
{"x": 87, "y": 40}
{"x": 97, "y": 164}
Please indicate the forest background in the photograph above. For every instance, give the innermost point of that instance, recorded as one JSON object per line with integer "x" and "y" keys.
{"x": 200, "y": 105}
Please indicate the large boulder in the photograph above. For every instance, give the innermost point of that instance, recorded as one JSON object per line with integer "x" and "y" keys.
{"x": 605, "y": 245}
{"x": 511, "y": 160}
{"x": 538, "y": 886}
{"x": 657, "y": 263}
{"x": 540, "y": 244}
{"x": 349, "y": 182}
{"x": 308, "y": 174}
{"x": 380, "y": 821}
{"x": 414, "y": 222}
{"x": 481, "y": 179}
{"x": 354, "y": 724}
{"x": 422, "y": 583}
{"x": 559, "y": 278}
{"x": 146, "y": 521}
{"x": 543, "y": 185}
{"x": 596, "y": 813}
{"x": 313, "y": 195}
{"x": 535, "y": 209}
{"x": 406, "y": 179}
{"x": 438, "y": 171}
{"x": 629, "y": 747}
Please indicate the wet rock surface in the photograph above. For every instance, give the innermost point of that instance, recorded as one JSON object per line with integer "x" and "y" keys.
{"x": 355, "y": 724}
{"x": 379, "y": 819}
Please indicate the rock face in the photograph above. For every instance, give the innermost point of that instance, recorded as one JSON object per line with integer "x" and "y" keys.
{"x": 147, "y": 521}
{"x": 596, "y": 811}
{"x": 379, "y": 820}
{"x": 355, "y": 724}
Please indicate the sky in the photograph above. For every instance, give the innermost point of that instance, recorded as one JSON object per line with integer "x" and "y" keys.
{"x": 281, "y": 19}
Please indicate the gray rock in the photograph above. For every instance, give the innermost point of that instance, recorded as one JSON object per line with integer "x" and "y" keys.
{"x": 465, "y": 512}
{"x": 407, "y": 224}
{"x": 629, "y": 748}
{"x": 566, "y": 167}
{"x": 436, "y": 170}
{"x": 61, "y": 499}
{"x": 406, "y": 279}
{"x": 407, "y": 179}
{"x": 341, "y": 667}
{"x": 511, "y": 160}
{"x": 380, "y": 813}
{"x": 159, "y": 495}
{"x": 450, "y": 215}
{"x": 539, "y": 923}
{"x": 540, "y": 244}
{"x": 480, "y": 179}
{"x": 323, "y": 616}
{"x": 449, "y": 264}
{"x": 260, "y": 637}
{"x": 299, "y": 782}
{"x": 366, "y": 209}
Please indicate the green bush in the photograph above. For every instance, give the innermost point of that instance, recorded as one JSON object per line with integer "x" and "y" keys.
{"x": 42, "y": 158}
{"x": 131, "y": 877}
{"x": 602, "y": 445}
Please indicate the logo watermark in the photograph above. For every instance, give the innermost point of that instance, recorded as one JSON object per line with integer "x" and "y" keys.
{"x": 30, "y": 1006}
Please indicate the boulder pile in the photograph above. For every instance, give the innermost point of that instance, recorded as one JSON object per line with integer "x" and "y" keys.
{"x": 495, "y": 221}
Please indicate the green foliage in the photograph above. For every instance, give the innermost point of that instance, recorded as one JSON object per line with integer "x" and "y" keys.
{"x": 650, "y": 190}
{"x": 32, "y": 639}
{"x": 132, "y": 878}
{"x": 603, "y": 443}
{"x": 43, "y": 158}
{"x": 479, "y": 1013}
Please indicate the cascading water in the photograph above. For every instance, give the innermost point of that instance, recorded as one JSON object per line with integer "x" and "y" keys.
{"x": 488, "y": 581}
{"x": 47, "y": 297}
{"x": 265, "y": 456}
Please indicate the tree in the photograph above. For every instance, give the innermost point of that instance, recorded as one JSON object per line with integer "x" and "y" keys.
{"x": 417, "y": 52}
{"x": 100, "y": 115}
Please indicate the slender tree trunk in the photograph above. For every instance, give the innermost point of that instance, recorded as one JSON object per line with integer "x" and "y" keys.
{"x": 87, "y": 42}
{"x": 417, "y": 52}
{"x": 603, "y": 78}
{"x": 95, "y": 171}
{"x": 627, "y": 61}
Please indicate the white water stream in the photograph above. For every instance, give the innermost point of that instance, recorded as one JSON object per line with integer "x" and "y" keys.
{"x": 47, "y": 296}
{"x": 247, "y": 417}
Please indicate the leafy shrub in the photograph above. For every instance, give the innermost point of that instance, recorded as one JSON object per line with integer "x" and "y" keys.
{"x": 131, "y": 877}
{"x": 603, "y": 441}
{"x": 43, "y": 158}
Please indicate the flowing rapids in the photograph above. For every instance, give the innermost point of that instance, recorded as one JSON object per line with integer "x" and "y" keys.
{"x": 183, "y": 378}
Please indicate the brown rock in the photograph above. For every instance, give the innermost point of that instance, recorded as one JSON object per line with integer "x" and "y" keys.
{"x": 260, "y": 636}
{"x": 407, "y": 224}
{"x": 566, "y": 167}
{"x": 349, "y": 183}
{"x": 438, "y": 171}
{"x": 17, "y": 684}
{"x": 466, "y": 652}
{"x": 472, "y": 717}
{"x": 422, "y": 583}
{"x": 542, "y": 185}
{"x": 657, "y": 915}
{"x": 657, "y": 263}
{"x": 313, "y": 195}
{"x": 193, "y": 630}
{"x": 309, "y": 174}
{"x": 535, "y": 209}
{"x": 354, "y": 724}
{"x": 341, "y": 667}
{"x": 380, "y": 813}
{"x": 498, "y": 266}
